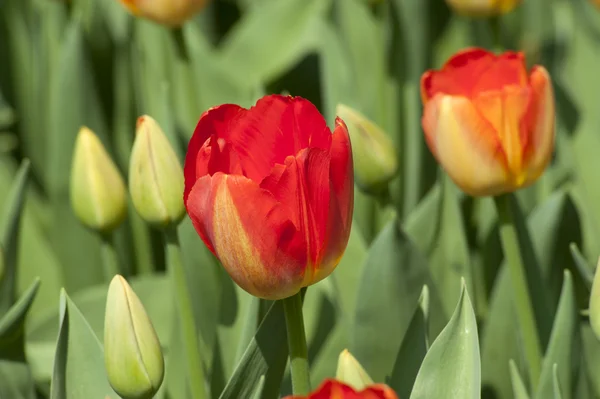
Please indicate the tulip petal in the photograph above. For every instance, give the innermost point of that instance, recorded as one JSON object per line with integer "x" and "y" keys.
{"x": 538, "y": 151}
{"x": 342, "y": 202}
{"x": 266, "y": 259}
{"x": 465, "y": 144}
{"x": 302, "y": 188}
{"x": 333, "y": 389}
{"x": 506, "y": 111}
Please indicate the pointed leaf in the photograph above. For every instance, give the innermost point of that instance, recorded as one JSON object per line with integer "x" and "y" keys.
{"x": 413, "y": 349}
{"x": 518, "y": 386}
{"x": 563, "y": 344}
{"x": 556, "y": 383}
{"x": 12, "y": 326}
{"x": 394, "y": 273}
{"x": 452, "y": 367}
{"x": 9, "y": 237}
{"x": 582, "y": 266}
{"x": 79, "y": 363}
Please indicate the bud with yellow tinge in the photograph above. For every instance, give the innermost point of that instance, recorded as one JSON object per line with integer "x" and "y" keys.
{"x": 98, "y": 195}
{"x": 351, "y": 372}
{"x": 482, "y": 8}
{"x": 132, "y": 354}
{"x": 155, "y": 176}
{"x": 375, "y": 159}
{"x": 167, "y": 12}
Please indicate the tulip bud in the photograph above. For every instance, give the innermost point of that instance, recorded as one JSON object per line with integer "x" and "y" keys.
{"x": 482, "y": 8}
{"x": 132, "y": 353}
{"x": 155, "y": 176}
{"x": 375, "y": 159}
{"x": 594, "y": 307}
{"x": 350, "y": 371}
{"x": 98, "y": 194}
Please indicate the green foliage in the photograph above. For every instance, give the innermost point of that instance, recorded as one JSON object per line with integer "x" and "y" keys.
{"x": 423, "y": 297}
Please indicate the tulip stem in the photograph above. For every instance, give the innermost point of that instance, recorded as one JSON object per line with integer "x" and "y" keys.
{"x": 186, "y": 314}
{"x": 294, "y": 321}
{"x": 523, "y": 303}
{"x": 110, "y": 259}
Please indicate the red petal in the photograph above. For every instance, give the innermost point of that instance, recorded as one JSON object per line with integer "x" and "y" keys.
{"x": 333, "y": 389}
{"x": 250, "y": 233}
{"x": 475, "y": 70}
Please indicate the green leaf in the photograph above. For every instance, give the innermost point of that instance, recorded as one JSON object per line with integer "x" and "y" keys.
{"x": 41, "y": 331}
{"x": 12, "y": 326}
{"x": 271, "y": 38}
{"x": 79, "y": 363}
{"x": 563, "y": 345}
{"x": 266, "y": 356}
{"x": 16, "y": 381}
{"x": 556, "y": 383}
{"x": 413, "y": 349}
{"x": 394, "y": 273}
{"x": 452, "y": 367}
{"x": 9, "y": 236}
{"x": 582, "y": 266}
{"x": 518, "y": 386}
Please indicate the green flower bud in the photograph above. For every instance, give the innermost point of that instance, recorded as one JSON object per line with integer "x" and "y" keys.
{"x": 375, "y": 159}
{"x": 155, "y": 176}
{"x": 350, "y": 372}
{"x": 98, "y": 195}
{"x": 132, "y": 353}
{"x": 595, "y": 303}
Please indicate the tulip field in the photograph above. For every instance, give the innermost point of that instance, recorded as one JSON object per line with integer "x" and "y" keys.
{"x": 299, "y": 199}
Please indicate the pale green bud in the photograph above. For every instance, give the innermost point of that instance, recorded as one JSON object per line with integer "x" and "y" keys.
{"x": 98, "y": 194}
{"x": 132, "y": 353}
{"x": 595, "y": 302}
{"x": 350, "y": 372}
{"x": 374, "y": 154}
{"x": 156, "y": 179}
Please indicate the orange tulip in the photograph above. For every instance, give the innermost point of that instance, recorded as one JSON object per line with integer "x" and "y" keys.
{"x": 332, "y": 389}
{"x": 482, "y": 8}
{"x": 488, "y": 121}
{"x": 167, "y": 12}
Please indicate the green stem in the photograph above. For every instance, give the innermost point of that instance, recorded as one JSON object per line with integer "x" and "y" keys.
{"x": 523, "y": 303}
{"x": 110, "y": 259}
{"x": 294, "y": 322}
{"x": 180, "y": 46}
{"x": 496, "y": 29}
{"x": 186, "y": 314}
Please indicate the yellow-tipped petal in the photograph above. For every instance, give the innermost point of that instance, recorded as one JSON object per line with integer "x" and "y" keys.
{"x": 351, "y": 372}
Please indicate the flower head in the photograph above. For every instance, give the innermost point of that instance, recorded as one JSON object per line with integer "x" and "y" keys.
{"x": 488, "y": 121}
{"x": 167, "y": 12}
{"x": 332, "y": 389}
{"x": 270, "y": 191}
{"x": 483, "y": 8}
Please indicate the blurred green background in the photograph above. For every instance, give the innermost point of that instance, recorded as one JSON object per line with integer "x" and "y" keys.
{"x": 88, "y": 62}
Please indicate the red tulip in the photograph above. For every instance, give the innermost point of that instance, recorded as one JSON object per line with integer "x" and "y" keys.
{"x": 270, "y": 191}
{"x": 488, "y": 121}
{"x": 332, "y": 389}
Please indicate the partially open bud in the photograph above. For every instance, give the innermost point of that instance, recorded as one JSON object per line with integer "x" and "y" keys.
{"x": 482, "y": 8}
{"x": 350, "y": 372}
{"x": 98, "y": 195}
{"x": 132, "y": 353}
{"x": 155, "y": 176}
{"x": 375, "y": 159}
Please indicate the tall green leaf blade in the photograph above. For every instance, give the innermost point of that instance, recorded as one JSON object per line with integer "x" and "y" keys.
{"x": 452, "y": 367}
{"x": 394, "y": 273}
{"x": 9, "y": 236}
{"x": 518, "y": 386}
{"x": 12, "y": 342}
{"x": 563, "y": 345}
{"x": 79, "y": 363}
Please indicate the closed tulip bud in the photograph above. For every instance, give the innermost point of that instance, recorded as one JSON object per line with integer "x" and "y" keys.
{"x": 155, "y": 176}
{"x": 482, "y": 8}
{"x": 350, "y": 371}
{"x": 166, "y": 12}
{"x": 132, "y": 353}
{"x": 98, "y": 195}
{"x": 333, "y": 389}
{"x": 270, "y": 190}
{"x": 374, "y": 154}
{"x": 489, "y": 121}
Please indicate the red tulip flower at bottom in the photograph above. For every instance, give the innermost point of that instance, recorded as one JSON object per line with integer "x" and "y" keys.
{"x": 332, "y": 389}
{"x": 270, "y": 191}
